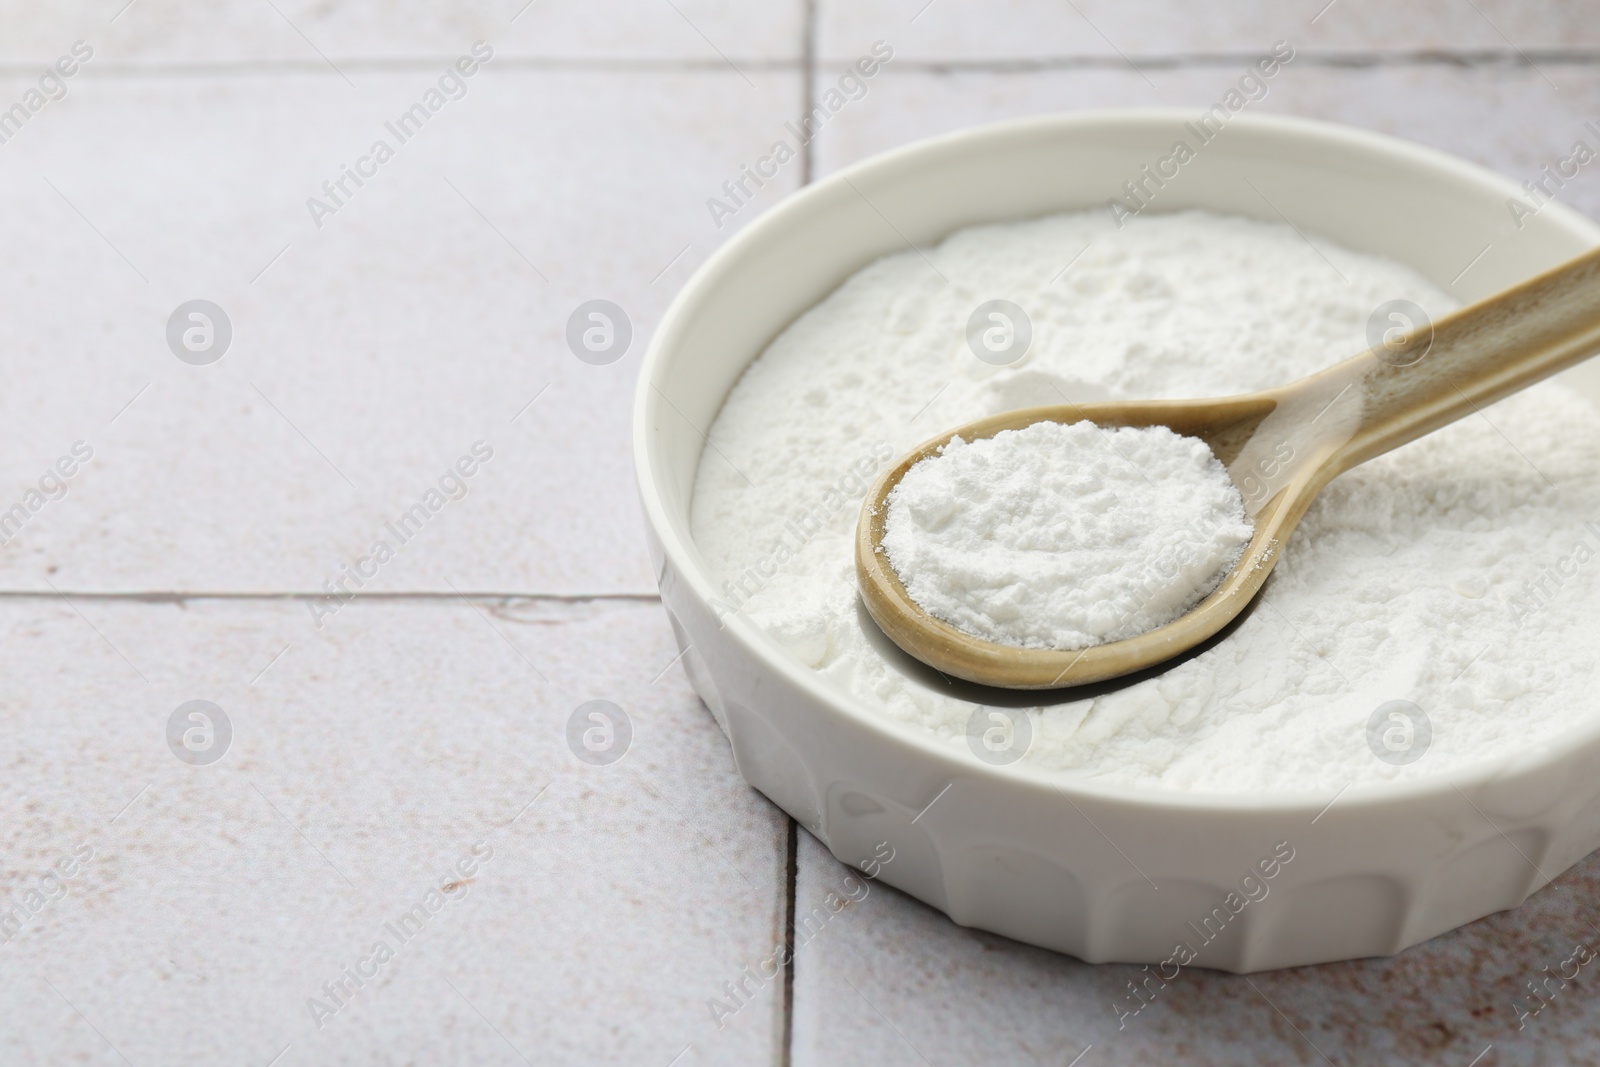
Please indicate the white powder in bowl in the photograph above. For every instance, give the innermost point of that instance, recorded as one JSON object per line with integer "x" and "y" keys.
{"x": 1064, "y": 535}
{"x": 1458, "y": 573}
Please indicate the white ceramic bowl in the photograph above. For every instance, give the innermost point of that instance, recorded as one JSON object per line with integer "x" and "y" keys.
{"x": 1069, "y": 866}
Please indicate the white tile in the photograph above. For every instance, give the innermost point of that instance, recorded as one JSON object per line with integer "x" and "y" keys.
{"x": 363, "y": 765}
{"x": 418, "y": 319}
{"x": 890, "y": 981}
{"x": 317, "y": 33}
{"x": 963, "y": 31}
{"x": 1506, "y": 117}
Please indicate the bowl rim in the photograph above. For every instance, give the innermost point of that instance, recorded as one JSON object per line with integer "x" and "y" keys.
{"x": 678, "y": 548}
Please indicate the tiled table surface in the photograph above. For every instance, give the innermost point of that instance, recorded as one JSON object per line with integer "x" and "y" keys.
{"x": 430, "y": 718}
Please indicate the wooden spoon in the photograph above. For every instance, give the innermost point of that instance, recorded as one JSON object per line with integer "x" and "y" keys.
{"x": 1280, "y": 446}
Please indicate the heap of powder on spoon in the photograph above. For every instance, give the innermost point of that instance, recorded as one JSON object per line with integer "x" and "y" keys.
{"x": 1063, "y": 536}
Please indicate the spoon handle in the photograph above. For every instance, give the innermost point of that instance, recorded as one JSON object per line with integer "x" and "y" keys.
{"x": 1429, "y": 376}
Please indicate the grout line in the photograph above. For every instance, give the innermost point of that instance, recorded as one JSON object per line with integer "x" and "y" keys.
{"x": 180, "y": 598}
{"x": 399, "y": 64}
{"x": 808, "y": 89}
{"x": 810, "y": 60}
{"x": 1477, "y": 57}
{"x": 792, "y": 878}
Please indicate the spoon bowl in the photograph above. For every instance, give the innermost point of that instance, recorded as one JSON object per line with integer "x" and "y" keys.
{"x": 1223, "y": 425}
{"x": 1280, "y": 447}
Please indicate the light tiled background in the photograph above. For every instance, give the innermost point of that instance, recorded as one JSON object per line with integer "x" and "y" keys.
{"x": 430, "y": 716}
